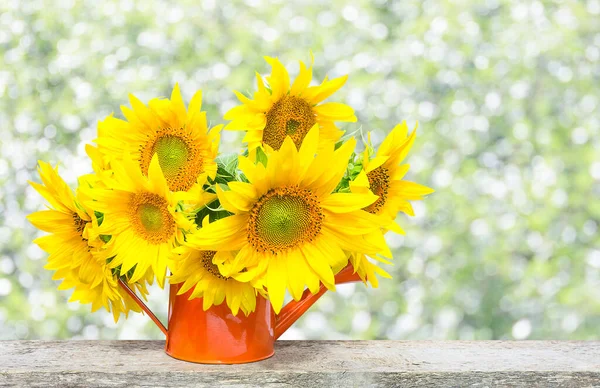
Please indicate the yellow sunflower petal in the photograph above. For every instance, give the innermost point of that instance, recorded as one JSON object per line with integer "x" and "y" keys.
{"x": 395, "y": 138}
{"x": 177, "y": 103}
{"x": 140, "y": 112}
{"x": 307, "y": 151}
{"x": 316, "y": 94}
{"x": 315, "y": 259}
{"x": 156, "y": 177}
{"x": 298, "y": 272}
{"x": 276, "y": 283}
{"x": 347, "y": 202}
{"x": 377, "y": 161}
{"x": 225, "y": 234}
{"x": 233, "y": 201}
{"x": 302, "y": 80}
{"x": 412, "y": 190}
{"x": 335, "y": 111}
{"x": 360, "y": 184}
{"x": 195, "y": 103}
{"x": 279, "y": 80}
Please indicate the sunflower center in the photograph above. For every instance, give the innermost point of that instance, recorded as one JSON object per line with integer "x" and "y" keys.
{"x": 379, "y": 183}
{"x": 150, "y": 217}
{"x": 283, "y": 218}
{"x": 290, "y": 116}
{"x": 79, "y": 223}
{"x": 172, "y": 154}
{"x": 209, "y": 266}
{"x": 180, "y": 157}
{"x": 291, "y": 127}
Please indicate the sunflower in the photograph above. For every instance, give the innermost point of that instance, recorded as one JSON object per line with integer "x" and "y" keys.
{"x": 279, "y": 110}
{"x": 139, "y": 215}
{"x": 65, "y": 219}
{"x": 100, "y": 288}
{"x": 180, "y": 139}
{"x": 382, "y": 175}
{"x": 287, "y": 225}
{"x": 71, "y": 246}
{"x": 198, "y": 270}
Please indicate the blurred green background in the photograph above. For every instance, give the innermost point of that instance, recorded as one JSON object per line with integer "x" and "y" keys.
{"x": 505, "y": 92}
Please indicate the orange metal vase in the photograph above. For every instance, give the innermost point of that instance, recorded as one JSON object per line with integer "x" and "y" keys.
{"x": 216, "y": 336}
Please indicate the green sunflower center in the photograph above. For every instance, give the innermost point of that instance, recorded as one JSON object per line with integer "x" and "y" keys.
{"x": 283, "y": 218}
{"x": 291, "y": 127}
{"x": 180, "y": 155}
{"x": 150, "y": 217}
{"x": 290, "y": 116}
{"x": 172, "y": 154}
{"x": 379, "y": 183}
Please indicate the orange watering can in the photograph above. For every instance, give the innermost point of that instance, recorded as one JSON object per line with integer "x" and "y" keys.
{"x": 216, "y": 336}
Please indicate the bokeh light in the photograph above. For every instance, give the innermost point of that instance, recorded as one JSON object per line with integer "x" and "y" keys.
{"x": 505, "y": 93}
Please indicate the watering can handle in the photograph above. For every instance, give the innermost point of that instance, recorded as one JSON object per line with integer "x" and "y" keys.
{"x": 143, "y": 306}
{"x": 295, "y": 309}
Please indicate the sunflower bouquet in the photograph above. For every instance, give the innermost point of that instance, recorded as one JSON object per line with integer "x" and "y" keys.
{"x": 288, "y": 213}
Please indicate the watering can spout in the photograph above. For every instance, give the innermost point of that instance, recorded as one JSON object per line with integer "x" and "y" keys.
{"x": 295, "y": 309}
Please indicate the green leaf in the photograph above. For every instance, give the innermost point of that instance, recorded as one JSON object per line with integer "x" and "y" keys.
{"x": 354, "y": 168}
{"x": 227, "y": 163}
{"x": 99, "y": 217}
{"x": 261, "y": 157}
{"x": 213, "y": 210}
{"x": 226, "y": 169}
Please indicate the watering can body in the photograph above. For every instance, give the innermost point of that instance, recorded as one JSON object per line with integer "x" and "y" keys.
{"x": 216, "y": 336}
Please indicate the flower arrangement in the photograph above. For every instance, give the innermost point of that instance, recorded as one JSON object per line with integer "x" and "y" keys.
{"x": 296, "y": 207}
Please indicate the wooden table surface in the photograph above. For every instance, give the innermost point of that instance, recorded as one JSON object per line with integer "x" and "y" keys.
{"x": 307, "y": 364}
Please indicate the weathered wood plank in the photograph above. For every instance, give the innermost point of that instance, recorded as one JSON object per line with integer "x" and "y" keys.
{"x": 308, "y": 364}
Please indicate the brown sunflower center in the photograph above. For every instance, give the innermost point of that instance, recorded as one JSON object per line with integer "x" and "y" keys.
{"x": 150, "y": 217}
{"x": 283, "y": 218}
{"x": 79, "y": 223}
{"x": 179, "y": 156}
{"x": 290, "y": 116}
{"x": 379, "y": 183}
{"x": 209, "y": 266}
